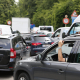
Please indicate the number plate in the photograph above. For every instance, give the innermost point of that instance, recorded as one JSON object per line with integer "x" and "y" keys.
{"x": 46, "y": 45}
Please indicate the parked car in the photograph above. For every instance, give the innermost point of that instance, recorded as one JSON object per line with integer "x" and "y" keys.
{"x": 12, "y": 49}
{"x": 58, "y": 33}
{"x": 45, "y": 66}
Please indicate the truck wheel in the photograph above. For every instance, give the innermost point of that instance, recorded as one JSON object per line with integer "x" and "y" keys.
{"x": 23, "y": 76}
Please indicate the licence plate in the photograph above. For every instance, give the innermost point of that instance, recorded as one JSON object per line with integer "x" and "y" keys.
{"x": 46, "y": 45}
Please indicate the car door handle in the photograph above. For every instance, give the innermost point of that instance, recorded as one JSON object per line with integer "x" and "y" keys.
{"x": 60, "y": 71}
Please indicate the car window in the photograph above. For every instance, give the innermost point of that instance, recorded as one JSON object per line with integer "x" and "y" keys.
{"x": 57, "y": 33}
{"x": 53, "y": 54}
{"x": 4, "y": 44}
{"x": 17, "y": 45}
{"x": 42, "y": 39}
{"x": 45, "y": 28}
{"x": 75, "y": 29}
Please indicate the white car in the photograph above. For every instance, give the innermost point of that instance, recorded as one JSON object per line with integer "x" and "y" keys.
{"x": 5, "y": 29}
{"x": 58, "y": 33}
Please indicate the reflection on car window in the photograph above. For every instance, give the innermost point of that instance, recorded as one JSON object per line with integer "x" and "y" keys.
{"x": 75, "y": 29}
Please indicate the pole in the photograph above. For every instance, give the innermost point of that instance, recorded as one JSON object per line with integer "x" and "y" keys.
{"x": 65, "y": 25}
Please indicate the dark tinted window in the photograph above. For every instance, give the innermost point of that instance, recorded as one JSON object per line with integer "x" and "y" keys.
{"x": 4, "y": 43}
{"x": 45, "y": 28}
{"x": 42, "y": 39}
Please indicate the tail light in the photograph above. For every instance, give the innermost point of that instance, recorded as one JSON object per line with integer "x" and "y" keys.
{"x": 52, "y": 43}
{"x": 42, "y": 35}
{"x": 12, "y": 53}
{"x": 35, "y": 44}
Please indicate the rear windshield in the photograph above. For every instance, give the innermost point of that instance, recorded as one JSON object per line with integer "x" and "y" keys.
{"x": 4, "y": 44}
{"x": 45, "y": 28}
{"x": 42, "y": 39}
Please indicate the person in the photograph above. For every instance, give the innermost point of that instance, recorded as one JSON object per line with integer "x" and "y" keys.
{"x": 60, "y": 56}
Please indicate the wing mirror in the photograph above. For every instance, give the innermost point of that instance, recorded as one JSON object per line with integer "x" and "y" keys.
{"x": 64, "y": 35}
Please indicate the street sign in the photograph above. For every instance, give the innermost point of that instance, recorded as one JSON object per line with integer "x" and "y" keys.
{"x": 9, "y": 22}
{"x": 65, "y": 20}
{"x": 74, "y": 14}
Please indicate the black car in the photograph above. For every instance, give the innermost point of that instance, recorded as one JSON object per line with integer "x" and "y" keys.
{"x": 45, "y": 66}
{"x": 12, "y": 49}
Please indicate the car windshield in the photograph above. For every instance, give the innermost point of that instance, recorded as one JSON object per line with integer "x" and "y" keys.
{"x": 75, "y": 29}
{"x": 42, "y": 39}
{"x": 4, "y": 44}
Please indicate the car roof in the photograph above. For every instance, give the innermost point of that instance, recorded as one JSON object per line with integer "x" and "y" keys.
{"x": 8, "y": 36}
{"x": 64, "y": 28}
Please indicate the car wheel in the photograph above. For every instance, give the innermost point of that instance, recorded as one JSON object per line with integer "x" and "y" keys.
{"x": 23, "y": 76}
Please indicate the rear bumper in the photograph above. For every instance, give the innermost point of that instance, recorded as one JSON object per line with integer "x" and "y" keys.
{"x": 9, "y": 67}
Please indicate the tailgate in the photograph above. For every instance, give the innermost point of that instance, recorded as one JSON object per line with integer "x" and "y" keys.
{"x": 4, "y": 51}
{"x": 4, "y": 57}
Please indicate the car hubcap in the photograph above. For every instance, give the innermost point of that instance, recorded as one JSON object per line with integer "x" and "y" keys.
{"x": 22, "y": 78}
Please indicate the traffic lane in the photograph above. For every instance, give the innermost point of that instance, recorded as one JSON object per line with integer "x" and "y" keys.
{"x": 4, "y": 75}
{"x": 8, "y": 75}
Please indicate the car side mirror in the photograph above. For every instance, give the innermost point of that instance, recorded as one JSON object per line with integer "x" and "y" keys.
{"x": 38, "y": 58}
{"x": 64, "y": 35}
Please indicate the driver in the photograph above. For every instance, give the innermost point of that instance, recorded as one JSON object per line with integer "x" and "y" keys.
{"x": 60, "y": 56}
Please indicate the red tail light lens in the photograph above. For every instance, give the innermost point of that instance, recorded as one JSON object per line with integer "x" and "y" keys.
{"x": 42, "y": 35}
{"x": 35, "y": 44}
{"x": 52, "y": 43}
{"x": 12, "y": 53}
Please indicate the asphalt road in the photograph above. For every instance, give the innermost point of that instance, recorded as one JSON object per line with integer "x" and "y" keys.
{"x": 9, "y": 75}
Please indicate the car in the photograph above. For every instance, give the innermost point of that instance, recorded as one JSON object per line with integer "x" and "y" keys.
{"x": 45, "y": 66}
{"x": 36, "y": 43}
{"x": 5, "y": 29}
{"x": 49, "y": 34}
{"x": 12, "y": 49}
{"x": 39, "y": 42}
{"x": 58, "y": 34}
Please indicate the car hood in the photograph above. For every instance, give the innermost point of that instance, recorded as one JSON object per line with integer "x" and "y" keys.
{"x": 29, "y": 59}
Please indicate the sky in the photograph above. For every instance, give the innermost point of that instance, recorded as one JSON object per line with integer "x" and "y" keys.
{"x": 16, "y": 0}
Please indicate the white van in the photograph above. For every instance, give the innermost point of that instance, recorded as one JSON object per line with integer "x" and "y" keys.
{"x": 46, "y": 28}
{"x": 74, "y": 28}
{"x": 5, "y": 29}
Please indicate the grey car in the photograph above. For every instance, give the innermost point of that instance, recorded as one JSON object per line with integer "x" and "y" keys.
{"x": 46, "y": 66}
{"x": 58, "y": 33}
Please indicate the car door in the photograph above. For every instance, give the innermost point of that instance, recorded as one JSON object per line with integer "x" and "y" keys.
{"x": 50, "y": 68}
{"x": 57, "y": 35}
{"x": 73, "y": 69}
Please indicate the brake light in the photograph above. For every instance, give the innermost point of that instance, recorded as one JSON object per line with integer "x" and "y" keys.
{"x": 35, "y": 44}
{"x": 12, "y": 53}
{"x": 42, "y": 35}
{"x": 52, "y": 43}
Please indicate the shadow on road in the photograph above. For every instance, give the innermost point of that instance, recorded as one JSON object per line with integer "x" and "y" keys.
{"x": 4, "y": 74}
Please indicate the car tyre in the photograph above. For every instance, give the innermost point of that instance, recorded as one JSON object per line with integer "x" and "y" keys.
{"x": 23, "y": 76}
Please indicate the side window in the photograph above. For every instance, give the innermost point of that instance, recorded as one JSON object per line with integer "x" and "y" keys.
{"x": 16, "y": 44}
{"x": 53, "y": 54}
{"x": 57, "y": 34}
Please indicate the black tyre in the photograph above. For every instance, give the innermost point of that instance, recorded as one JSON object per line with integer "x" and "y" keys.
{"x": 23, "y": 76}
